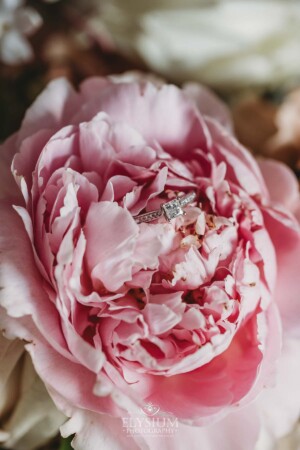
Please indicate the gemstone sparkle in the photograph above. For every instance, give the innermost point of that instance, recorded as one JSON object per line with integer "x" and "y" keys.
{"x": 172, "y": 209}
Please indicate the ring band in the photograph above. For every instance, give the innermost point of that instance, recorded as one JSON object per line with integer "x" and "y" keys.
{"x": 170, "y": 210}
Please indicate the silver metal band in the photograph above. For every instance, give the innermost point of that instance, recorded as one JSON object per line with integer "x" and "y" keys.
{"x": 170, "y": 210}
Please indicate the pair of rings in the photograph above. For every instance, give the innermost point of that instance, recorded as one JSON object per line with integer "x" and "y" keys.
{"x": 170, "y": 210}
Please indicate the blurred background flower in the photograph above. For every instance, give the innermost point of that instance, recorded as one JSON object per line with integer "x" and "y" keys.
{"x": 270, "y": 128}
{"x": 247, "y": 50}
{"x": 28, "y": 417}
{"x": 223, "y": 43}
{"x": 16, "y": 23}
{"x": 290, "y": 442}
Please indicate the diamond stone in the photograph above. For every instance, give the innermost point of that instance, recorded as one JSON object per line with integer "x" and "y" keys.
{"x": 172, "y": 209}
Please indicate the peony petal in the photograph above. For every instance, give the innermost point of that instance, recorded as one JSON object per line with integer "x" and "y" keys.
{"x": 237, "y": 431}
{"x": 30, "y": 149}
{"x": 160, "y": 318}
{"x": 111, "y": 235}
{"x": 202, "y": 394}
{"x": 94, "y": 431}
{"x": 52, "y": 109}
{"x": 95, "y": 149}
{"x": 148, "y": 248}
{"x": 278, "y": 406}
{"x": 195, "y": 269}
{"x": 117, "y": 187}
{"x": 241, "y": 167}
{"x": 54, "y": 370}
{"x": 161, "y": 115}
{"x": 266, "y": 249}
{"x": 20, "y": 280}
{"x": 281, "y": 183}
{"x": 209, "y": 104}
{"x": 286, "y": 241}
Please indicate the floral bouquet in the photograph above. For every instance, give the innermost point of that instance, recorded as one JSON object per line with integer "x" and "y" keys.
{"x": 149, "y": 286}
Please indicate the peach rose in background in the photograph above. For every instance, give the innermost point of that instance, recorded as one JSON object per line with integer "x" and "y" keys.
{"x": 28, "y": 417}
{"x": 288, "y": 121}
{"x": 287, "y": 138}
{"x": 276, "y": 126}
{"x": 197, "y": 317}
{"x": 223, "y": 43}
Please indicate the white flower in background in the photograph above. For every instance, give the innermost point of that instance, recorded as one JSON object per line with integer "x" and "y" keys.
{"x": 28, "y": 417}
{"x": 16, "y": 22}
{"x": 288, "y": 442}
{"x": 223, "y": 43}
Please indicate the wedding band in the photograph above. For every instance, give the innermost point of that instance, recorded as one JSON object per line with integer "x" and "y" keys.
{"x": 170, "y": 210}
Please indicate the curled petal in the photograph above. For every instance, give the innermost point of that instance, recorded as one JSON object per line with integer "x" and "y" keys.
{"x": 111, "y": 235}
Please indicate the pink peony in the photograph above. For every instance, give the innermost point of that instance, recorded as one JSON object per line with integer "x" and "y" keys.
{"x": 191, "y": 319}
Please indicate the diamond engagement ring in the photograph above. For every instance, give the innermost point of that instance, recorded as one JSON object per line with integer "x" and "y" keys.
{"x": 170, "y": 210}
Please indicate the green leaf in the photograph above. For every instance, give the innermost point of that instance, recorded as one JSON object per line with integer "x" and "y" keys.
{"x": 65, "y": 444}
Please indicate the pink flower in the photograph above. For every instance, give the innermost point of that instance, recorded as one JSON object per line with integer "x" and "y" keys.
{"x": 189, "y": 316}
